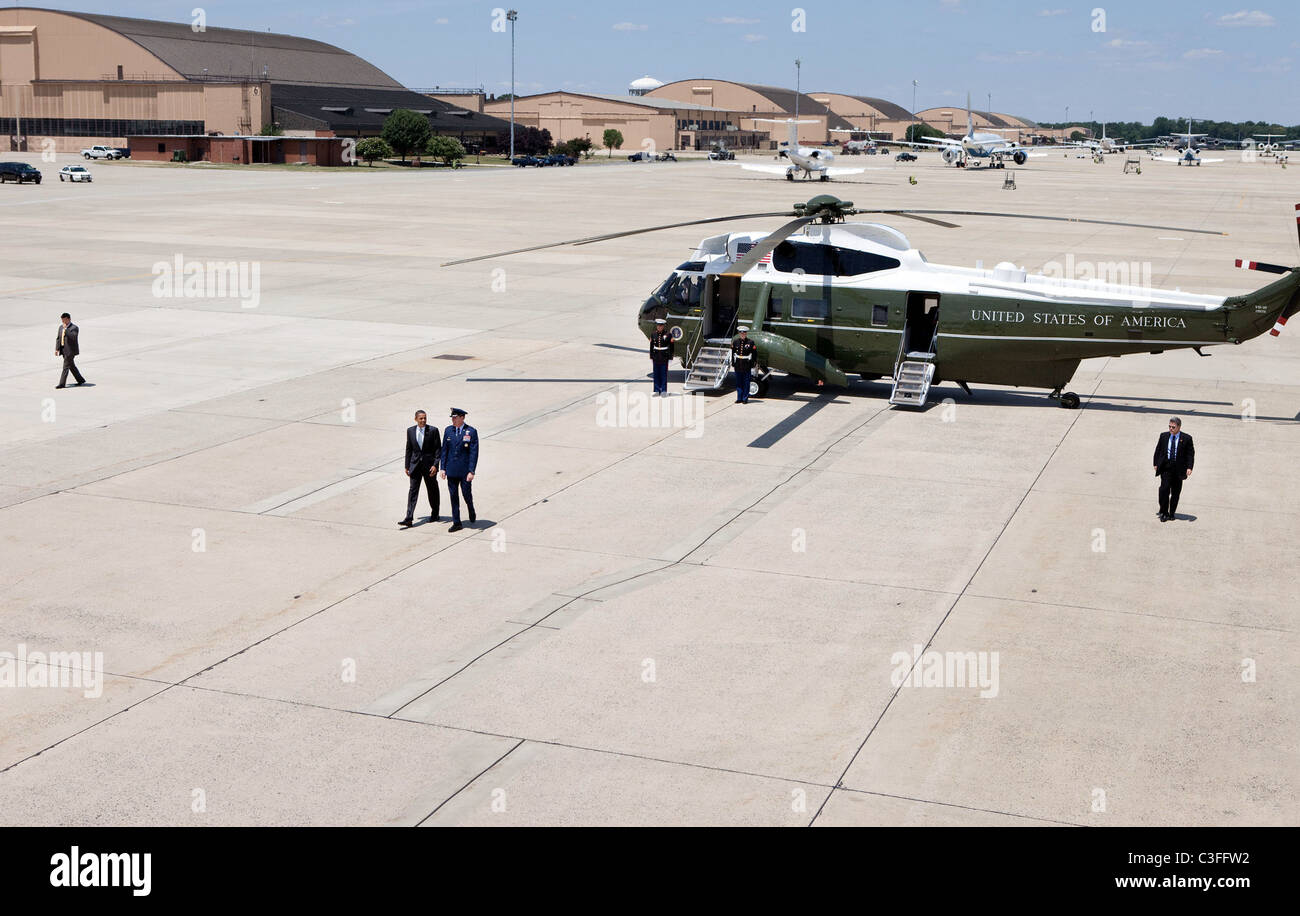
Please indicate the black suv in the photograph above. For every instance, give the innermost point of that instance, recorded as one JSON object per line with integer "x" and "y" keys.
{"x": 19, "y": 172}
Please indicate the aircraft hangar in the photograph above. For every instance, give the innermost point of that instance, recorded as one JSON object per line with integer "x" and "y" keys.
{"x": 82, "y": 78}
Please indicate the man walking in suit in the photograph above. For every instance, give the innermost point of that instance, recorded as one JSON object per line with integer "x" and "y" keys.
{"x": 1173, "y": 462}
{"x": 65, "y": 345}
{"x": 422, "y": 453}
{"x": 459, "y": 459}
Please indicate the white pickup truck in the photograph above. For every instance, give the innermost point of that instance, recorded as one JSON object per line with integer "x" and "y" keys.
{"x": 102, "y": 152}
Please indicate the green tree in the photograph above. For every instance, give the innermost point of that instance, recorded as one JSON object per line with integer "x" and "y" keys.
{"x": 448, "y": 149}
{"x": 373, "y": 148}
{"x": 271, "y": 129}
{"x": 919, "y": 131}
{"x": 406, "y": 131}
{"x": 612, "y": 140}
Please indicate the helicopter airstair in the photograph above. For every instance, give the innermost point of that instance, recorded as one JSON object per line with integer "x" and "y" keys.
{"x": 913, "y": 373}
{"x": 710, "y": 367}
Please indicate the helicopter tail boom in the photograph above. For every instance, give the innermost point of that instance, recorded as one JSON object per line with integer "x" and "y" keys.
{"x": 1265, "y": 309}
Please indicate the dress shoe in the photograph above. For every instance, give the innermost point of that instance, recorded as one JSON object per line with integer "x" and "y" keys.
{"x": 405, "y": 523}
{"x": 456, "y": 527}
{"x": 57, "y": 387}
{"x": 1163, "y": 517}
{"x": 80, "y": 383}
{"x": 472, "y": 517}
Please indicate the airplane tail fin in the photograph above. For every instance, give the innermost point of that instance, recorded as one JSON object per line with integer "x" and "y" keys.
{"x": 970, "y": 118}
{"x": 794, "y": 134}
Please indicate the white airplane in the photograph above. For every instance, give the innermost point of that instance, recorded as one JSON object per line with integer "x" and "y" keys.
{"x": 1189, "y": 154}
{"x": 860, "y": 145}
{"x": 807, "y": 159}
{"x": 1105, "y": 144}
{"x": 990, "y": 146}
{"x": 1268, "y": 147}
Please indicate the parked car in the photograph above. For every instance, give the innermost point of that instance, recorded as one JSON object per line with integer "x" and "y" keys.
{"x": 721, "y": 154}
{"x": 642, "y": 156}
{"x": 665, "y": 157}
{"x": 102, "y": 152}
{"x": 19, "y": 172}
{"x": 75, "y": 173}
{"x": 523, "y": 161}
{"x": 560, "y": 159}
{"x": 905, "y": 157}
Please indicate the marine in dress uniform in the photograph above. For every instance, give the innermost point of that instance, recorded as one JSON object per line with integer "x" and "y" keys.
{"x": 65, "y": 345}
{"x": 1173, "y": 460}
{"x": 459, "y": 459}
{"x": 661, "y": 353}
{"x": 742, "y": 359}
{"x": 423, "y": 452}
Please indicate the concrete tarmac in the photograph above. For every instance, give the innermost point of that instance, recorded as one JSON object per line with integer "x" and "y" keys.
{"x": 722, "y": 617}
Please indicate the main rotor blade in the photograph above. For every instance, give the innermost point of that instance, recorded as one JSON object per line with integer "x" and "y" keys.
{"x": 1058, "y": 219}
{"x": 912, "y": 215}
{"x": 768, "y": 245}
{"x": 587, "y": 240}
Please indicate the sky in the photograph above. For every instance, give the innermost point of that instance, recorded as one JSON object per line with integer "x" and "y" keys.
{"x": 1115, "y": 61}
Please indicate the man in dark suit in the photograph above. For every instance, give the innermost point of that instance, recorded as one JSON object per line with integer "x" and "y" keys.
{"x": 423, "y": 449}
{"x": 459, "y": 460}
{"x": 1173, "y": 462}
{"x": 65, "y": 345}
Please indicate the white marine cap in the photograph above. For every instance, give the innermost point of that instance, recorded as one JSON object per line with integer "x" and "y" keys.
{"x": 660, "y": 321}
{"x": 742, "y": 329}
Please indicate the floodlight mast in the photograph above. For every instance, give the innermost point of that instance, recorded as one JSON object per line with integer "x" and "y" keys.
{"x": 512, "y": 15}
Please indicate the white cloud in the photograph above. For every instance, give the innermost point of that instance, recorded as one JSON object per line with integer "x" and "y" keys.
{"x": 753, "y": 37}
{"x": 732, "y": 20}
{"x": 1201, "y": 53}
{"x": 440, "y": 21}
{"x": 629, "y": 27}
{"x": 1246, "y": 18}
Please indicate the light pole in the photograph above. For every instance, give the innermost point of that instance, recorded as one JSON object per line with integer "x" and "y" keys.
{"x": 798, "y": 64}
{"x": 1067, "y": 123}
{"x": 512, "y": 15}
{"x": 913, "y": 111}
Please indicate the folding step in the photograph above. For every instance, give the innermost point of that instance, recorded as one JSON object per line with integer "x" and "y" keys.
{"x": 709, "y": 369}
{"x": 912, "y": 383}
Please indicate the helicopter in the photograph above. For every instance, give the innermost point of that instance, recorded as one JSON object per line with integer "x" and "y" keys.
{"x": 825, "y": 298}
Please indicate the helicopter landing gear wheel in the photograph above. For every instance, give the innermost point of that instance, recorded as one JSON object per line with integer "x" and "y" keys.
{"x": 789, "y": 176}
{"x": 825, "y": 178}
{"x": 758, "y": 383}
{"x": 1070, "y": 400}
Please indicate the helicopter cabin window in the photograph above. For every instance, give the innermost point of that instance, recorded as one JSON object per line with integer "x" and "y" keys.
{"x": 880, "y": 315}
{"x": 809, "y": 309}
{"x": 828, "y": 260}
{"x": 775, "y": 307}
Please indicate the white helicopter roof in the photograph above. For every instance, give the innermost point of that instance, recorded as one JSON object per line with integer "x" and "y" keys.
{"x": 913, "y": 271}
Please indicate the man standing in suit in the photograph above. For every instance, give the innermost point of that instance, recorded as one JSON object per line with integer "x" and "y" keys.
{"x": 459, "y": 459}
{"x": 1173, "y": 462}
{"x": 422, "y": 452}
{"x": 65, "y": 345}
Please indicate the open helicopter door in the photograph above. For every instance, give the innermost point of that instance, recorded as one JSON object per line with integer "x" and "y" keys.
{"x": 914, "y": 367}
{"x": 709, "y": 359}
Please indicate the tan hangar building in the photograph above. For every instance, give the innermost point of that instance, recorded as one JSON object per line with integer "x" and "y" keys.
{"x": 644, "y": 121}
{"x": 753, "y": 102}
{"x": 76, "y": 79}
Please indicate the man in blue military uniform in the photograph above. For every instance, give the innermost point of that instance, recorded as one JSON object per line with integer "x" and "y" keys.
{"x": 459, "y": 459}
{"x": 661, "y": 354}
{"x": 742, "y": 358}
